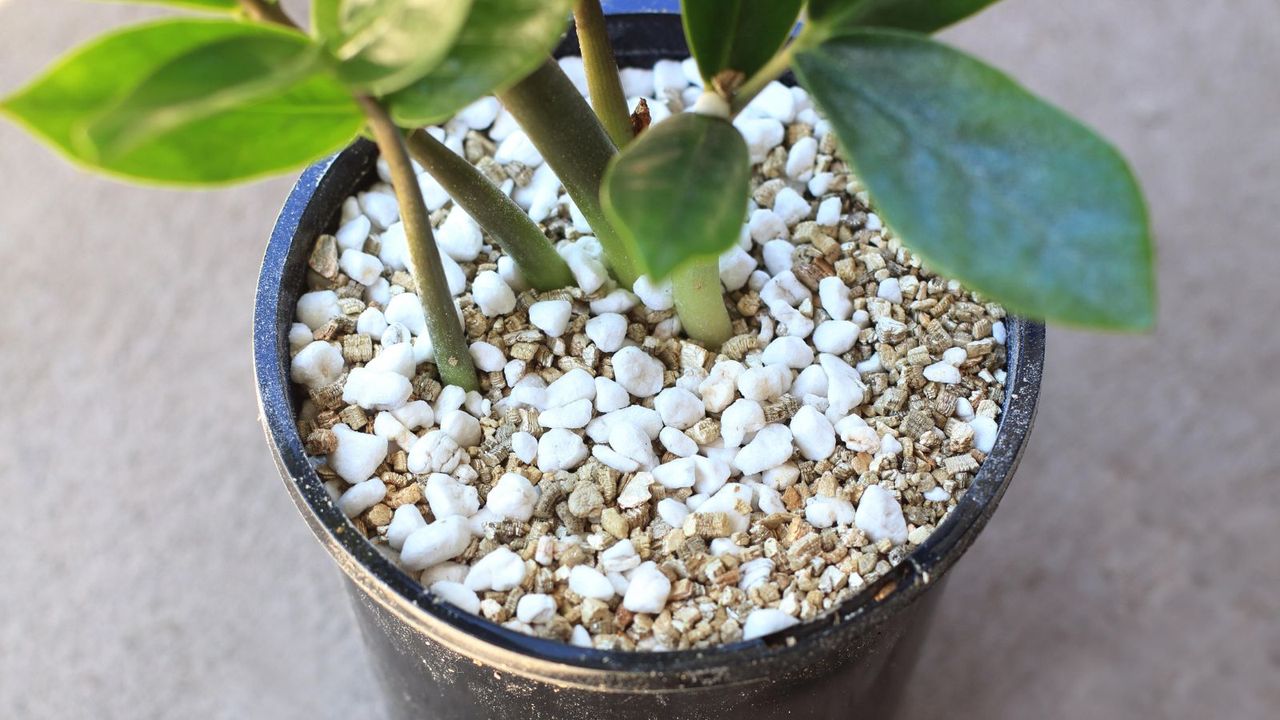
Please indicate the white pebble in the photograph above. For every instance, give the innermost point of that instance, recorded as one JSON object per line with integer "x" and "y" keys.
{"x": 836, "y": 337}
{"x": 873, "y": 222}
{"x": 834, "y": 295}
{"x": 870, "y": 365}
{"x": 397, "y": 358}
{"x": 766, "y": 621}
{"x": 638, "y": 372}
{"x": 361, "y": 267}
{"x": 880, "y": 516}
{"x": 300, "y": 336}
{"x": 574, "y": 416}
{"x": 371, "y": 322}
{"x": 376, "y": 389}
{"x": 317, "y": 308}
{"x": 634, "y": 444}
{"x": 736, "y": 266}
{"x": 575, "y": 385}
{"x": 739, "y": 420}
{"x": 679, "y": 409}
{"x": 760, "y": 134}
{"x": 646, "y": 419}
{"x": 766, "y": 225}
{"x": 551, "y": 316}
{"x": 433, "y": 193}
{"x": 857, "y": 436}
{"x": 436, "y": 452}
{"x": 829, "y": 212}
{"x": 793, "y": 352}
{"x": 362, "y": 496}
{"x": 648, "y": 590}
{"x": 668, "y": 76}
{"x": 512, "y": 497}
{"x": 487, "y": 356}
{"x": 492, "y": 295}
{"x": 720, "y": 387}
{"x": 463, "y": 427}
{"x": 607, "y": 331}
{"x": 937, "y": 494}
{"x": 357, "y": 454}
{"x": 677, "y": 443}
{"x": 770, "y": 448}
{"x": 655, "y": 295}
{"x": 500, "y": 570}
{"x": 790, "y": 206}
{"x": 811, "y": 381}
{"x": 890, "y": 290}
{"x": 774, "y": 101}
{"x": 317, "y": 364}
{"x": 673, "y": 512}
{"x": 447, "y": 497}
{"x": 998, "y": 332}
{"x": 406, "y": 520}
{"x": 353, "y": 234}
{"x": 585, "y": 265}
{"x": 406, "y": 309}
{"x": 845, "y": 390}
{"x": 985, "y": 431}
{"x": 479, "y": 114}
{"x": 620, "y": 300}
{"x": 813, "y": 434}
{"x": 825, "y": 512}
{"x": 525, "y": 447}
{"x": 619, "y": 557}
{"x": 534, "y": 608}
{"x": 800, "y": 159}
{"x": 590, "y": 583}
{"x": 764, "y": 383}
{"x": 955, "y": 356}
{"x": 517, "y": 147}
{"x": 820, "y": 183}
{"x": 442, "y": 540}
{"x": 942, "y": 372}
{"x": 380, "y": 207}
{"x": 610, "y": 395}
{"x": 560, "y": 449}
{"x": 458, "y": 594}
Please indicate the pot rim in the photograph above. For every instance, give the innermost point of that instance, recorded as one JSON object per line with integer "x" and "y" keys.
{"x": 482, "y": 640}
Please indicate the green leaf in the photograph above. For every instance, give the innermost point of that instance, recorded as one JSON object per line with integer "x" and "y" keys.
{"x": 736, "y": 34}
{"x": 384, "y": 45}
{"x": 287, "y": 129}
{"x": 218, "y": 77}
{"x": 923, "y": 16}
{"x": 989, "y": 184}
{"x": 679, "y": 191}
{"x": 218, "y": 6}
{"x": 501, "y": 42}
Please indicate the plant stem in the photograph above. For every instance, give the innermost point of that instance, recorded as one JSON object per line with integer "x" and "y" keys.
{"x": 498, "y": 214}
{"x": 264, "y": 11}
{"x": 570, "y": 138}
{"x": 603, "y": 81}
{"x": 699, "y": 303}
{"x": 447, "y": 338}
{"x": 772, "y": 70}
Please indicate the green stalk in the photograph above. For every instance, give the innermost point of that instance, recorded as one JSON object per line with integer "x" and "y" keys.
{"x": 453, "y": 358}
{"x": 565, "y": 130}
{"x": 772, "y": 70}
{"x": 603, "y": 81}
{"x": 699, "y": 303}
{"x": 498, "y": 214}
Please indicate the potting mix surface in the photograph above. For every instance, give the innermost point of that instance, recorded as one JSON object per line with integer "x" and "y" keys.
{"x": 614, "y": 484}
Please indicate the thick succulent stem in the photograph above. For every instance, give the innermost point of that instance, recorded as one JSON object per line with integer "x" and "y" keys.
{"x": 447, "y": 337}
{"x": 565, "y": 130}
{"x": 699, "y": 302}
{"x": 603, "y": 81}
{"x": 519, "y": 237}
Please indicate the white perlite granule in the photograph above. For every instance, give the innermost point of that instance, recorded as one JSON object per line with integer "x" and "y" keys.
{"x": 613, "y": 484}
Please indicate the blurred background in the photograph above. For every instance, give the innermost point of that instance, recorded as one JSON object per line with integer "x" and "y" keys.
{"x": 153, "y": 566}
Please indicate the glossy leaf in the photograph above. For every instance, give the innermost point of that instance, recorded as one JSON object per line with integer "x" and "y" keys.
{"x": 218, "y": 77}
{"x": 286, "y": 129}
{"x": 989, "y": 184}
{"x": 501, "y": 42}
{"x": 219, "y": 6}
{"x": 382, "y": 46}
{"x": 736, "y": 34}
{"x": 920, "y": 15}
{"x": 679, "y": 191}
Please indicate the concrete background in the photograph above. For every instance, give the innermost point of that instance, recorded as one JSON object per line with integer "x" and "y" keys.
{"x": 153, "y": 566}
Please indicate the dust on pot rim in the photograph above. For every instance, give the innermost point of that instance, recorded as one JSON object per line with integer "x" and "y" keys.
{"x": 312, "y": 208}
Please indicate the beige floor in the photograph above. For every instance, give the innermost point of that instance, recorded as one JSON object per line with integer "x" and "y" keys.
{"x": 153, "y": 567}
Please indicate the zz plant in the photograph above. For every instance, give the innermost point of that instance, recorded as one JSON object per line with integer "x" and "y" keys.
{"x": 984, "y": 181}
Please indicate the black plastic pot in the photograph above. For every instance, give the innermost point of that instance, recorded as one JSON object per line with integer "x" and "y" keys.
{"x": 435, "y": 661}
